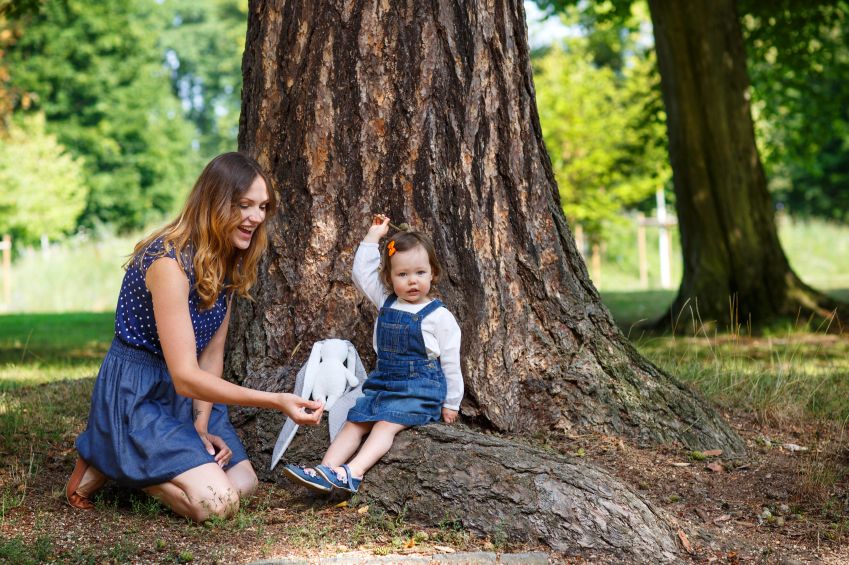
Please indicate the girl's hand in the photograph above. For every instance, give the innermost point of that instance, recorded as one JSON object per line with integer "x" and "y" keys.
{"x": 296, "y": 408}
{"x": 218, "y": 447}
{"x": 379, "y": 228}
{"x": 449, "y": 416}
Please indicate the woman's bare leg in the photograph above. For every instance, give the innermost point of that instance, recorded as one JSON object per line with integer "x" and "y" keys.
{"x": 199, "y": 493}
{"x": 346, "y": 443}
{"x": 376, "y": 445}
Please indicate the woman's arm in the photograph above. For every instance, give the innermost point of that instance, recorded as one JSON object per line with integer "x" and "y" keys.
{"x": 211, "y": 360}
{"x": 169, "y": 288}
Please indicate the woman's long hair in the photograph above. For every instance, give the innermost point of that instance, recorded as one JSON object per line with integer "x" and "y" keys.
{"x": 204, "y": 229}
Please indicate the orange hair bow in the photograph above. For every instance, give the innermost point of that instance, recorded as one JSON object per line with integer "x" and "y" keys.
{"x": 391, "y": 248}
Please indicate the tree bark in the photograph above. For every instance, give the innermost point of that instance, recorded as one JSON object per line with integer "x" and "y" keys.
{"x": 502, "y": 489}
{"x": 734, "y": 267}
{"x": 425, "y": 111}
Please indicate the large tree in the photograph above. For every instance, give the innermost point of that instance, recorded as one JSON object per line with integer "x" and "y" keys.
{"x": 425, "y": 111}
{"x": 733, "y": 260}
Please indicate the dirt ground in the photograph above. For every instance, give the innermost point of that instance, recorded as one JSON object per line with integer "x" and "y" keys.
{"x": 783, "y": 504}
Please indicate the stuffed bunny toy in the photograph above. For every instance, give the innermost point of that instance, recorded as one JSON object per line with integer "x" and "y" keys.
{"x": 330, "y": 371}
{"x": 333, "y": 374}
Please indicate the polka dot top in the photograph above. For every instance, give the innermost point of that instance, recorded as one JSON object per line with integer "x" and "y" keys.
{"x": 134, "y": 322}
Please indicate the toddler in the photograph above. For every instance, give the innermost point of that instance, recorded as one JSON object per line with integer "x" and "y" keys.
{"x": 417, "y": 340}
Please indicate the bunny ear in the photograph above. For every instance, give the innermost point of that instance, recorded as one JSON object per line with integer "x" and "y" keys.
{"x": 312, "y": 370}
{"x": 352, "y": 357}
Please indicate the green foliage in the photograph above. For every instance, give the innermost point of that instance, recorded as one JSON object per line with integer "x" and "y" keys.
{"x": 42, "y": 187}
{"x": 203, "y": 44}
{"x": 94, "y": 70}
{"x": 798, "y": 58}
{"x": 602, "y": 124}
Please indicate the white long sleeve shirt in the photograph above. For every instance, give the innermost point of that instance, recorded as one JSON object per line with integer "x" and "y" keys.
{"x": 440, "y": 330}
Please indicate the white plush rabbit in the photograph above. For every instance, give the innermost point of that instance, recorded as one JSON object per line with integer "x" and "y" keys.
{"x": 333, "y": 374}
{"x": 330, "y": 371}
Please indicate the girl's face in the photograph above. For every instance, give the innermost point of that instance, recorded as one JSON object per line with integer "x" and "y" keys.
{"x": 411, "y": 274}
{"x": 251, "y": 208}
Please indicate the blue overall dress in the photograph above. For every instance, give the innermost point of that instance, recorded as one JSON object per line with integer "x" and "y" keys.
{"x": 406, "y": 387}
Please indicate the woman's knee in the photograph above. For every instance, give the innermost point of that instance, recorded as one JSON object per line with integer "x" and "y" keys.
{"x": 220, "y": 503}
{"x": 244, "y": 478}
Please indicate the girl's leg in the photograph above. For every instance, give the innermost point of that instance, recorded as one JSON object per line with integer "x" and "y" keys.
{"x": 346, "y": 443}
{"x": 199, "y": 493}
{"x": 376, "y": 445}
{"x": 243, "y": 478}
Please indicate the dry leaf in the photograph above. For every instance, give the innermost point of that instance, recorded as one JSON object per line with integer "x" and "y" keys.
{"x": 343, "y": 504}
{"x": 444, "y": 548}
{"x": 410, "y": 543}
{"x": 792, "y": 447}
{"x": 715, "y": 467}
{"x": 723, "y": 518}
{"x": 678, "y": 464}
{"x": 713, "y": 452}
{"x": 362, "y": 509}
{"x": 684, "y": 541}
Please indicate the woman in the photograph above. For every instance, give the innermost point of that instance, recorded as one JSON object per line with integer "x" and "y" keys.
{"x": 152, "y": 422}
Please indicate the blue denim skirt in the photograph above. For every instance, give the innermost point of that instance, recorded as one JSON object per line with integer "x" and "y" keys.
{"x": 409, "y": 393}
{"x": 140, "y": 431}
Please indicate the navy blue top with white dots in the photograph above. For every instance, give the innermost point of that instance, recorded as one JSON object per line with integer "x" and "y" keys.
{"x": 134, "y": 322}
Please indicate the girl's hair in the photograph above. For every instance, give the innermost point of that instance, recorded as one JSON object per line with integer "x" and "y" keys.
{"x": 204, "y": 229}
{"x": 404, "y": 241}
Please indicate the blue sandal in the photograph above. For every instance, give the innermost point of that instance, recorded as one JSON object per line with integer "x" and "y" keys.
{"x": 350, "y": 484}
{"x": 308, "y": 478}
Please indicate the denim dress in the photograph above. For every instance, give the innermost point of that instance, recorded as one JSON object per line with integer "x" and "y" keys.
{"x": 407, "y": 388}
{"x": 140, "y": 431}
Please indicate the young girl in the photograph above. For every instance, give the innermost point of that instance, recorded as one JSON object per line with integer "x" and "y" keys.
{"x": 418, "y": 378}
{"x": 152, "y": 424}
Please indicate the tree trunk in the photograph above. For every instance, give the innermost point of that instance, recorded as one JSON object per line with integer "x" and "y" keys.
{"x": 498, "y": 488}
{"x": 734, "y": 267}
{"x": 425, "y": 111}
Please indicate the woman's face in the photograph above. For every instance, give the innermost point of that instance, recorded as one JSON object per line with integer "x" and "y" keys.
{"x": 251, "y": 208}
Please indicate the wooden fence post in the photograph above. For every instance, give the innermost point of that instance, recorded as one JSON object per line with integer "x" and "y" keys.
{"x": 641, "y": 250}
{"x": 6, "y": 246}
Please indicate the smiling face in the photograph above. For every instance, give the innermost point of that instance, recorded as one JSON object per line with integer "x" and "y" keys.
{"x": 251, "y": 208}
{"x": 411, "y": 274}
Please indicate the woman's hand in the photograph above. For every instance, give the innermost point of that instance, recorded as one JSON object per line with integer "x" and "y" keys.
{"x": 297, "y": 408}
{"x": 378, "y": 229}
{"x": 449, "y": 416}
{"x": 216, "y": 446}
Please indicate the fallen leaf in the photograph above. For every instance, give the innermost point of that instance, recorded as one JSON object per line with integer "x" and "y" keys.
{"x": 362, "y": 509}
{"x": 715, "y": 467}
{"x": 684, "y": 541}
{"x": 701, "y": 514}
{"x": 792, "y": 447}
{"x": 723, "y": 518}
{"x": 444, "y": 548}
{"x": 343, "y": 504}
{"x": 713, "y": 452}
{"x": 677, "y": 464}
{"x": 410, "y": 543}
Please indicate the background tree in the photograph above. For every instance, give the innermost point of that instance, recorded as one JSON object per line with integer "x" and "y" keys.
{"x": 798, "y": 61}
{"x": 42, "y": 187}
{"x": 107, "y": 97}
{"x": 733, "y": 261}
{"x": 203, "y": 44}
{"x": 602, "y": 121}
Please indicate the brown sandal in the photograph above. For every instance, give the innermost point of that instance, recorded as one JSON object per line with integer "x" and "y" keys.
{"x": 74, "y": 498}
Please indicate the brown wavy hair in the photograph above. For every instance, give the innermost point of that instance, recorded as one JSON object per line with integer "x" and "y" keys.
{"x": 204, "y": 229}
{"x": 404, "y": 241}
